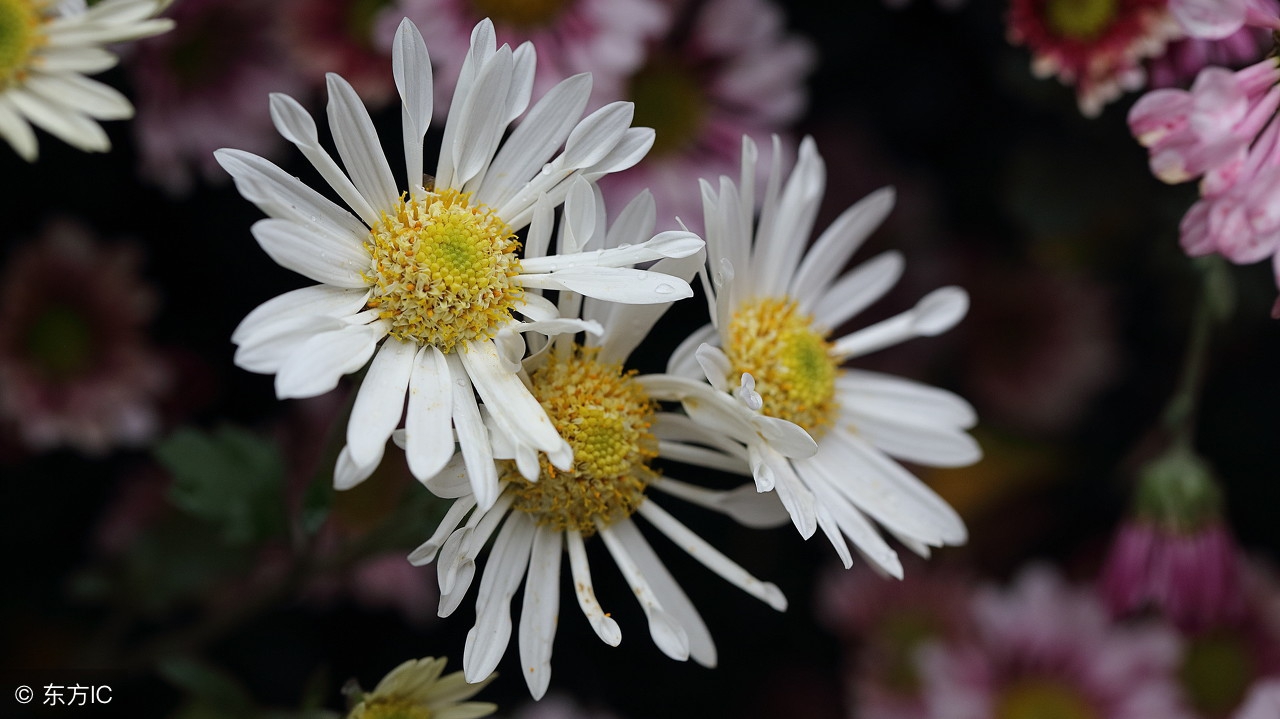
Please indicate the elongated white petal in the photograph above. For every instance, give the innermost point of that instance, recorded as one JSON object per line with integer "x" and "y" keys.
{"x": 452, "y": 481}
{"x": 425, "y": 553}
{"x": 831, "y": 528}
{"x": 380, "y": 400}
{"x": 17, "y": 131}
{"x": 712, "y": 558}
{"x": 629, "y": 150}
{"x": 284, "y": 196}
{"x": 507, "y": 398}
{"x": 604, "y": 625}
{"x": 833, "y": 248}
{"x": 597, "y": 135}
{"x": 674, "y": 243}
{"x": 313, "y": 255}
{"x": 68, "y": 125}
{"x": 316, "y": 300}
{"x": 481, "y": 129}
{"x": 428, "y": 421}
{"x": 488, "y": 639}
{"x": 320, "y": 362}
{"x": 853, "y": 524}
{"x": 795, "y": 496}
{"x": 411, "y": 67}
{"x": 297, "y": 126}
{"x": 615, "y": 284}
{"x": 82, "y": 94}
{"x": 667, "y": 633}
{"x": 269, "y": 348}
{"x": 626, "y": 326}
{"x": 932, "y": 446}
{"x": 936, "y": 313}
{"x": 473, "y": 438}
{"x": 358, "y": 145}
{"x": 779, "y": 243}
{"x": 857, "y": 290}
{"x": 347, "y": 473}
{"x": 748, "y": 507}
{"x": 539, "y": 613}
{"x": 902, "y": 400}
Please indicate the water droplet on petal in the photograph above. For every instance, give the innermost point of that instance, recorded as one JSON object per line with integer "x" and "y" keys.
{"x": 664, "y": 289}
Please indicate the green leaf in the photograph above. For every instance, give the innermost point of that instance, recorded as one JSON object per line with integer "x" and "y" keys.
{"x": 230, "y": 478}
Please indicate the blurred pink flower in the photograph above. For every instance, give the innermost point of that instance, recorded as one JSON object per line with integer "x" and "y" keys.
{"x": 735, "y": 72}
{"x": 76, "y": 367}
{"x": 1097, "y": 47}
{"x": 1048, "y": 649}
{"x": 349, "y": 37}
{"x": 1216, "y": 19}
{"x": 884, "y": 624}
{"x": 204, "y": 86}
{"x": 1191, "y": 132}
{"x": 1190, "y": 576}
{"x": 1186, "y": 57}
{"x": 607, "y": 38}
{"x": 1263, "y": 701}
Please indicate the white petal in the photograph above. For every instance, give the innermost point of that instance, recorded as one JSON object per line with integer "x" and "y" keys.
{"x": 17, "y": 131}
{"x": 507, "y": 398}
{"x": 68, "y": 125}
{"x": 452, "y": 481}
{"x": 297, "y": 126}
{"x": 851, "y": 521}
{"x": 929, "y": 445}
{"x": 604, "y": 625}
{"x": 832, "y": 250}
{"x": 380, "y": 400}
{"x": 629, "y": 151}
{"x": 473, "y": 438}
{"x": 321, "y": 300}
{"x": 781, "y": 241}
{"x": 667, "y": 633}
{"x": 615, "y": 284}
{"x": 428, "y": 422}
{"x": 81, "y": 94}
{"x": 358, "y": 145}
{"x": 597, "y": 135}
{"x": 284, "y": 196}
{"x": 628, "y": 325}
{"x": 320, "y": 362}
{"x": 793, "y": 493}
{"x": 903, "y": 400}
{"x": 482, "y": 119}
{"x": 411, "y": 67}
{"x": 540, "y": 610}
{"x": 748, "y": 507}
{"x": 425, "y": 553}
{"x": 347, "y": 473}
{"x": 936, "y": 313}
{"x": 313, "y": 255}
{"x": 674, "y": 244}
{"x": 856, "y": 291}
{"x": 268, "y": 349}
{"x": 487, "y": 640}
{"x": 712, "y": 558}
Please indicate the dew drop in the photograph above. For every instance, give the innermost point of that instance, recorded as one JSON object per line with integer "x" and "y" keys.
{"x": 664, "y": 289}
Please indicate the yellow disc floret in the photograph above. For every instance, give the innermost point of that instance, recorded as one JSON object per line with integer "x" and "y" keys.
{"x": 442, "y": 270}
{"x": 524, "y": 14}
{"x": 605, "y": 416}
{"x": 792, "y": 363}
{"x": 1081, "y": 19}
{"x": 1033, "y": 698}
{"x": 20, "y": 36}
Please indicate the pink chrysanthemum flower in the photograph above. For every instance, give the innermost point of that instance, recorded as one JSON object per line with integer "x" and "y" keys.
{"x": 607, "y": 38}
{"x": 1096, "y": 45}
{"x": 201, "y": 87}
{"x": 75, "y": 365}
{"x": 1046, "y": 649}
{"x": 1232, "y": 669}
{"x": 1216, "y": 19}
{"x": 736, "y": 72}
{"x": 888, "y": 623}
{"x": 349, "y": 37}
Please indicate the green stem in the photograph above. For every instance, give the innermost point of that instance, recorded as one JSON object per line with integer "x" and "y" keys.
{"x": 1179, "y": 416}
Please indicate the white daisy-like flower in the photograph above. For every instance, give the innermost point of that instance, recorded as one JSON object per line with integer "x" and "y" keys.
{"x": 46, "y": 49}
{"x": 428, "y": 279}
{"x": 771, "y": 354}
{"x": 416, "y": 690}
{"x": 614, "y": 427}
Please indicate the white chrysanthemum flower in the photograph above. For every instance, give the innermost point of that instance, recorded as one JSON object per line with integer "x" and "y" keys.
{"x": 771, "y": 355}
{"x": 46, "y": 49}
{"x": 613, "y": 426}
{"x": 429, "y": 279}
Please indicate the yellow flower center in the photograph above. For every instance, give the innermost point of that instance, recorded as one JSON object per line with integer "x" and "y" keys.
{"x": 791, "y": 362}
{"x": 605, "y": 417}
{"x": 442, "y": 270}
{"x": 20, "y": 36}
{"x": 669, "y": 99}
{"x": 1216, "y": 672}
{"x": 391, "y": 708}
{"x": 523, "y": 14}
{"x": 1080, "y": 19}
{"x": 1042, "y": 699}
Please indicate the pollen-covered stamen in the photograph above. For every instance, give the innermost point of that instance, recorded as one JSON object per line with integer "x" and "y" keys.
{"x": 792, "y": 364}
{"x": 20, "y": 36}
{"x": 442, "y": 270}
{"x": 524, "y": 14}
{"x": 605, "y": 416}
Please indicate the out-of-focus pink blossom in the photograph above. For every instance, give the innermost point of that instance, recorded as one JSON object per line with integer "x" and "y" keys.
{"x": 1237, "y": 215}
{"x": 1263, "y": 701}
{"x": 1049, "y": 649}
{"x": 1190, "y": 576}
{"x": 1190, "y": 133}
{"x": 735, "y": 72}
{"x": 607, "y": 38}
{"x": 1184, "y": 59}
{"x": 1216, "y": 19}
{"x": 1100, "y": 53}
{"x": 349, "y": 37}
{"x": 76, "y": 367}
{"x": 204, "y": 85}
